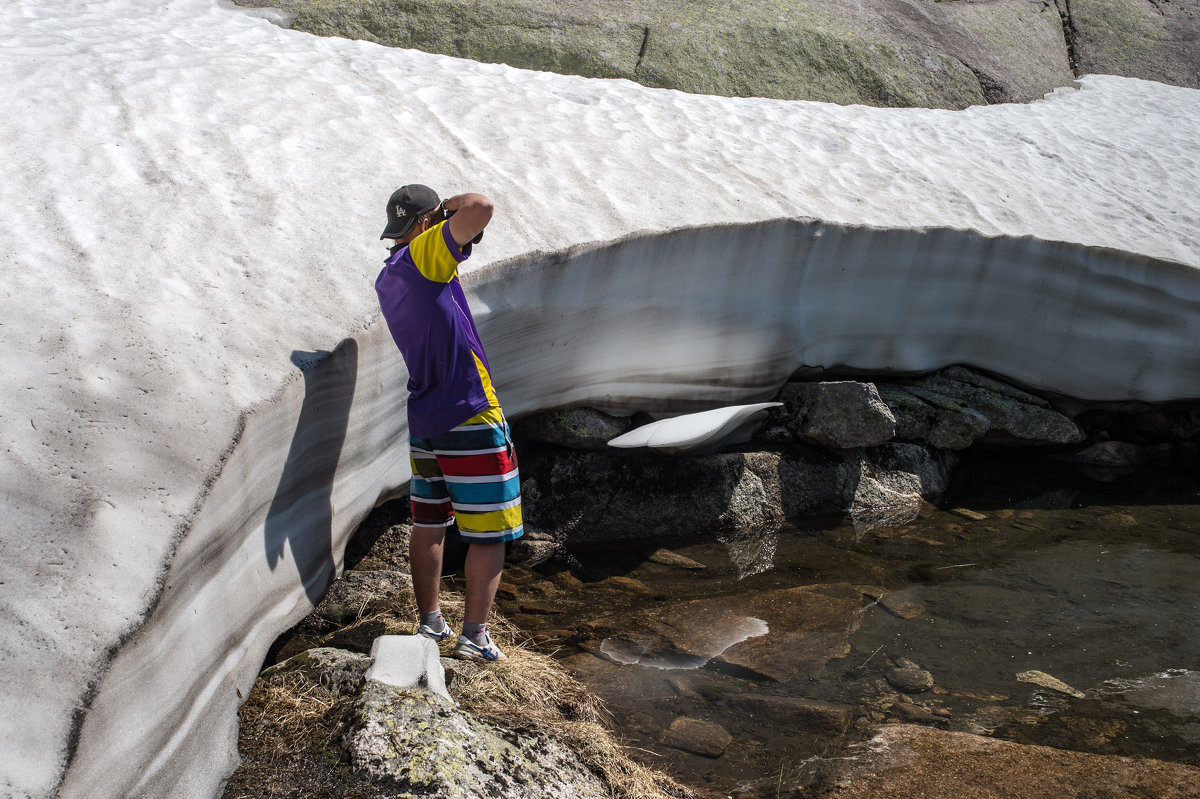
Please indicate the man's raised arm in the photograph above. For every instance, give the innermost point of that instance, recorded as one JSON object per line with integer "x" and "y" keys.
{"x": 471, "y": 213}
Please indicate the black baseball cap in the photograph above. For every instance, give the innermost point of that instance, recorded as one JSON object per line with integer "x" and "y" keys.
{"x": 406, "y": 204}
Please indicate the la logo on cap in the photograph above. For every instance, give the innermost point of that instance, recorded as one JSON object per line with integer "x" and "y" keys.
{"x": 400, "y": 211}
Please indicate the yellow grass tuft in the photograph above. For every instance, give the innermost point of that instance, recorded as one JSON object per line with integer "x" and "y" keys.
{"x": 290, "y": 724}
{"x": 531, "y": 691}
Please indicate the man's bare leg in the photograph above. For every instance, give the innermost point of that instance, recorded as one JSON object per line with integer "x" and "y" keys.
{"x": 425, "y": 548}
{"x": 483, "y": 567}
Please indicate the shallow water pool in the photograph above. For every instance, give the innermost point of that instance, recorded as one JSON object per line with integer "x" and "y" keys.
{"x": 1037, "y": 603}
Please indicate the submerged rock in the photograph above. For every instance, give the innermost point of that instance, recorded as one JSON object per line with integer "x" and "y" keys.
{"x": 1044, "y": 680}
{"x": 770, "y": 635}
{"x": 903, "y": 604}
{"x": 621, "y": 583}
{"x": 909, "y": 677}
{"x": 904, "y": 761}
{"x": 685, "y": 635}
{"x": 795, "y": 714}
{"x": 810, "y": 626}
{"x": 668, "y": 558}
{"x": 418, "y": 741}
{"x": 697, "y": 736}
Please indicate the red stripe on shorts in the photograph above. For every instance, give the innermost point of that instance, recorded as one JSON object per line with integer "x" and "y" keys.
{"x": 430, "y": 513}
{"x": 485, "y": 465}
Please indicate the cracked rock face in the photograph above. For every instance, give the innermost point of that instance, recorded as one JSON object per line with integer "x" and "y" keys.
{"x": 1156, "y": 40}
{"x": 882, "y": 53}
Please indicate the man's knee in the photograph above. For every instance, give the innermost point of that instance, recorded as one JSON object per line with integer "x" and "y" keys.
{"x": 427, "y": 535}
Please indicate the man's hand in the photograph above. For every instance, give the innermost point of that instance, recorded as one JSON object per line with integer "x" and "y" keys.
{"x": 471, "y": 214}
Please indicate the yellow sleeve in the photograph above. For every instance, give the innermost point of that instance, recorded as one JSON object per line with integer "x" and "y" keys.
{"x": 432, "y": 255}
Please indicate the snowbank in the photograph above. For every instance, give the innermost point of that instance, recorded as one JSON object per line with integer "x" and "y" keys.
{"x": 192, "y": 203}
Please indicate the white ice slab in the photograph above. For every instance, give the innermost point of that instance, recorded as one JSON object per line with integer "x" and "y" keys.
{"x": 698, "y": 431}
{"x": 408, "y": 661}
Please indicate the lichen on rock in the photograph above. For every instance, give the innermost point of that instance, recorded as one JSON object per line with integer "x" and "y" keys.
{"x": 418, "y": 741}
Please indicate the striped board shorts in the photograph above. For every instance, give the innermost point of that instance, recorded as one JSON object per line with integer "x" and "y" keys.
{"x": 468, "y": 475}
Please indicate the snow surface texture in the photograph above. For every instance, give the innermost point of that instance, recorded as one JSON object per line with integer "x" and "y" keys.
{"x": 192, "y": 202}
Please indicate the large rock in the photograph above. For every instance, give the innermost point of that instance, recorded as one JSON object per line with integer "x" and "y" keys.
{"x": 583, "y": 496}
{"x": 898, "y": 475}
{"x": 580, "y": 496}
{"x": 577, "y": 428}
{"x": 349, "y": 595}
{"x": 955, "y": 407}
{"x": 949, "y": 410}
{"x": 939, "y": 421}
{"x": 340, "y": 671}
{"x": 842, "y": 414}
{"x": 808, "y": 482}
{"x": 418, "y": 741}
{"x": 914, "y": 762}
{"x": 1137, "y": 38}
{"x": 810, "y": 626}
{"x": 883, "y": 52}
{"x": 772, "y": 635}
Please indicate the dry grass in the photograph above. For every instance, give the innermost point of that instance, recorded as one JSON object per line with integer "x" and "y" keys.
{"x": 290, "y": 725}
{"x": 294, "y": 709}
{"x": 531, "y": 691}
{"x": 285, "y": 740}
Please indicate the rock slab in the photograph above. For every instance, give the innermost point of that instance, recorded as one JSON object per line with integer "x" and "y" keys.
{"x": 911, "y": 762}
{"x": 881, "y": 52}
{"x": 418, "y": 741}
{"x": 697, "y": 736}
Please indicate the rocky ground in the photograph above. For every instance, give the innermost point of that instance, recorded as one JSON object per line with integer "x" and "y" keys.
{"x": 315, "y": 725}
{"x": 882, "y": 52}
{"x": 859, "y": 447}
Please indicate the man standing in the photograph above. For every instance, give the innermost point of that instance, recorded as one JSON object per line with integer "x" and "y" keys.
{"x": 463, "y": 462}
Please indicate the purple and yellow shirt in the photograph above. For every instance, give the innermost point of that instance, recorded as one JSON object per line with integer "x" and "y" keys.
{"x": 449, "y": 379}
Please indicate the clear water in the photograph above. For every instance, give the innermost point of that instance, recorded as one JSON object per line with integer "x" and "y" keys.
{"x": 1025, "y": 566}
